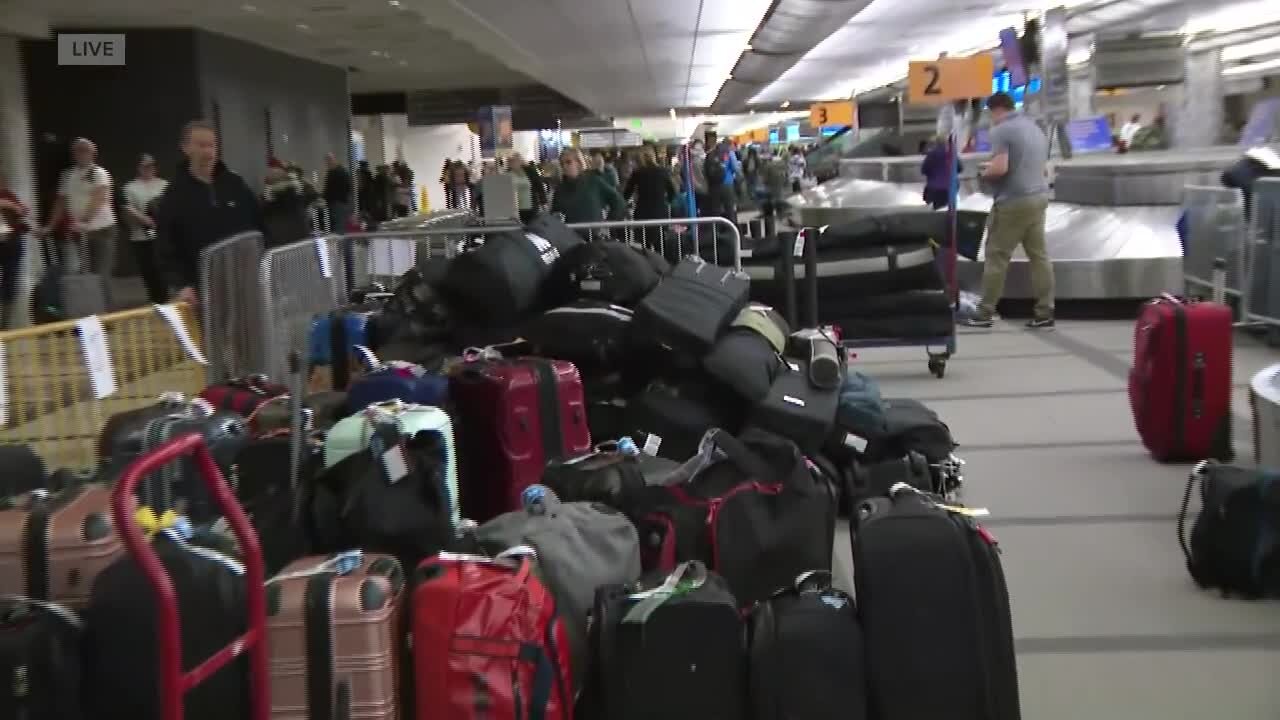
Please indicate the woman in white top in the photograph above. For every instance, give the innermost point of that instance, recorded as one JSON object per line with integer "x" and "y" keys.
{"x": 141, "y": 198}
{"x": 83, "y": 208}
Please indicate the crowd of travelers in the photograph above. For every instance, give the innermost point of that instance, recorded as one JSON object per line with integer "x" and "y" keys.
{"x": 649, "y": 182}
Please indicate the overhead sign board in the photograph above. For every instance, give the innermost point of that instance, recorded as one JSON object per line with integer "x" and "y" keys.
{"x": 1053, "y": 56}
{"x": 608, "y": 138}
{"x": 932, "y": 82}
{"x": 494, "y": 129}
{"x": 833, "y": 113}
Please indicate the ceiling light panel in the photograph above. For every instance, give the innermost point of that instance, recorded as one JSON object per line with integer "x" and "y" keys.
{"x": 1253, "y": 68}
{"x": 1257, "y": 48}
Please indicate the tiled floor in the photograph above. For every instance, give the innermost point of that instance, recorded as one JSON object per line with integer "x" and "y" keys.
{"x": 1108, "y": 624}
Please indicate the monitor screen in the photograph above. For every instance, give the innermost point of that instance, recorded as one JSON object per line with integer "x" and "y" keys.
{"x": 773, "y": 136}
{"x": 793, "y": 132}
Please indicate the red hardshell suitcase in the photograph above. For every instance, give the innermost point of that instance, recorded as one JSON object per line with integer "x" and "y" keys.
{"x": 1180, "y": 384}
{"x": 512, "y": 418}
{"x": 488, "y": 641}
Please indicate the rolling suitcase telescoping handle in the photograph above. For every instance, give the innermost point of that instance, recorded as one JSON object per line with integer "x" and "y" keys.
{"x": 174, "y": 683}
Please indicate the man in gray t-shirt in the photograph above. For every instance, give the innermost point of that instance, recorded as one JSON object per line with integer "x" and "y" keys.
{"x": 1020, "y": 188}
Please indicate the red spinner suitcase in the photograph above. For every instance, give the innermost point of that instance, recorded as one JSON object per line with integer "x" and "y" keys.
{"x": 1180, "y": 384}
{"x": 488, "y": 641}
{"x": 512, "y": 418}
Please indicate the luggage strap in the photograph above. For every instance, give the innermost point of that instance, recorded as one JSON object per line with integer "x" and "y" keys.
{"x": 687, "y": 577}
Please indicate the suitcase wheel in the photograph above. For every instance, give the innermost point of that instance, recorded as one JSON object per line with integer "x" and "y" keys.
{"x": 938, "y": 366}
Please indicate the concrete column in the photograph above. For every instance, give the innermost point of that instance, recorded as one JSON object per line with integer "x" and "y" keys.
{"x": 17, "y": 163}
{"x": 1195, "y": 120}
{"x": 1080, "y": 90}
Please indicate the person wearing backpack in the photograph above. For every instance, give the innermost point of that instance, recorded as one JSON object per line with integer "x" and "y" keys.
{"x": 722, "y": 170}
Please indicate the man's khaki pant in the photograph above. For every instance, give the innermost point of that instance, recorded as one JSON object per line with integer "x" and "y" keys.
{"x": 1014, "y": 223}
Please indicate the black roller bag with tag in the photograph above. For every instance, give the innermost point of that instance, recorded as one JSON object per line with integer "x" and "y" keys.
{"x": 807, "y": 654}
{"x": 933, "y": 603}
{"x": 678, "y": 655}
{"x": 1234, "y": 545}
{"x": 670, "y": 422}
{"x": 39, "y": 661}
{"x": 795, "y": 409}
{"x": 691, "y": 308}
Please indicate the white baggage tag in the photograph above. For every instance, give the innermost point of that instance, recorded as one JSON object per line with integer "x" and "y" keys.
{"x": 97, "y": 356}
{"x": 652, "y": 444}
{"x": 589, "y": 285}
{"x": 857, "y": 442}
{"x": 171, "y": 316}
{"x": 394, "y": 464}
{"x": 793, "y": 400}
{"x": 798, "y": 251}
{"x": 322, "y": 254}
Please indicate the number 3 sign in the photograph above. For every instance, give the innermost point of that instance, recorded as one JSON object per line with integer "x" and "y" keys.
{"x": 947, "y": 79}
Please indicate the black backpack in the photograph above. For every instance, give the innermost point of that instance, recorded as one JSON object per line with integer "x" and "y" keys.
{"x": 713, "y": 168}
{"x": 1235, "y": 541}
{"x": 354, "y": 504}
{"x": 806, "y": 654}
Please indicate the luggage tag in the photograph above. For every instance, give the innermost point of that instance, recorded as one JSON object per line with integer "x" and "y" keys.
{"x": 340, "y": 563}
{"x": 390, "y": 456}
{"x": 689, "y": 576}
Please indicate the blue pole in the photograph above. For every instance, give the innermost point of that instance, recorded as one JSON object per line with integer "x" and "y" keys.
{"x": 691, "y": 204}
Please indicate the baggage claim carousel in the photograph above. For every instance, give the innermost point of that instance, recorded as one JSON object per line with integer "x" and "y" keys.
{"x": 1110, "y": 228}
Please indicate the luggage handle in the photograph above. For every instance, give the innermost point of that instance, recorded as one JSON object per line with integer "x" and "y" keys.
{"x": 1197, "y": 474}
{"x": 739, "y": 454}
{"x": 174, "y": 683}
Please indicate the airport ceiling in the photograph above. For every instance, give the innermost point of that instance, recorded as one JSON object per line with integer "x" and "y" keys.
{"x": 615, "y": 57}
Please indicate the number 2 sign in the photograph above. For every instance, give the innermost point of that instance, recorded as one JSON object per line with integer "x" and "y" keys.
{"x": 947, "y": 79}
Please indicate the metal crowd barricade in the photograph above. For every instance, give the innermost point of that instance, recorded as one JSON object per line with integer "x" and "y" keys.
{"x": 296, "y": 282}
{"x": 50, "y": 400}
{"x": 715, "y": 239}
{"x": 230, "y": 315}
{"x": 1215, "y": 228}
{"x": 1263, "y": 296}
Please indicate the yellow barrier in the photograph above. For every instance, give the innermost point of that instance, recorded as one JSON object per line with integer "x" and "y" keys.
{"x": 50, "y": 402}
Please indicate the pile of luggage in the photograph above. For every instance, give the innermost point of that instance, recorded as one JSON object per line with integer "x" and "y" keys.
{"x": 878, "y": 278}
{"x": 633, "y": 487}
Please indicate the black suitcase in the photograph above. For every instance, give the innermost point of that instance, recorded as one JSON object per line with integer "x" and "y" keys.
{"x": 795, "y": 409}
{"x": 24, "y": 470}
{"x": 670, "y": 423}
{"x": 933, "y": 604}
{"x": 891, "y": 327}
{"x": 675, "y": 656}
{"x": 606, "y": 271}
{"x": 867, "y": 480}
{"x": 691, "y": 308}
{"x": 120, "y": 657}
{"x": 806, "y": 653}
{"x": 39, "y": 661}
{"x": 846, "y": 274}
{"x": 744, "y": 362}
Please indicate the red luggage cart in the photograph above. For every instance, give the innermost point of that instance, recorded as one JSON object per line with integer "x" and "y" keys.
{"x": 174, "y": 683}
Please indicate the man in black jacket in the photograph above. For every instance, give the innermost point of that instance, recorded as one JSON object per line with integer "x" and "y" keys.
{"x": 204, "y": 204}
{"x": 337, "y": 193}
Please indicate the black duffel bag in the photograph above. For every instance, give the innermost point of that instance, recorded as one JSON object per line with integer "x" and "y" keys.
{"x": 501, "y": 282}
{"x": 611, "y": 272}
